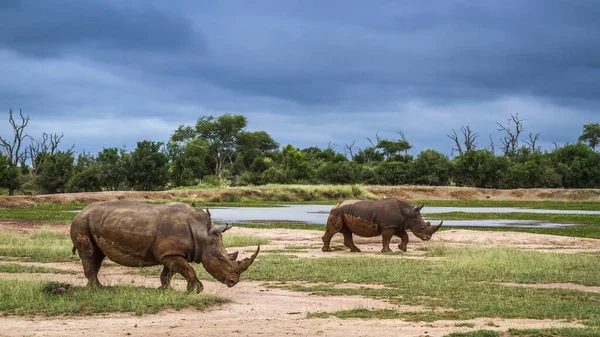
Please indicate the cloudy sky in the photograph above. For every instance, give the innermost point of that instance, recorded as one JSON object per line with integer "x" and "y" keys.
{"x": 111, "y": 73}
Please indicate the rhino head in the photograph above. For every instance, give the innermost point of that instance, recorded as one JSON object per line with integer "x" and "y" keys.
{"x": 423, "y": 230}
{"x": 220, "y": 264}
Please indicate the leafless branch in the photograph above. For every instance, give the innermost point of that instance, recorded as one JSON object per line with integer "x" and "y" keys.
{"x": 12, "y": 149}
{"x": 532, "y": 142}
{"x": 348, "y": 149}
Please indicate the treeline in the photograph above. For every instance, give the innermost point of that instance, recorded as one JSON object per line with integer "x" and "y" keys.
{"x": 218, "y": 151}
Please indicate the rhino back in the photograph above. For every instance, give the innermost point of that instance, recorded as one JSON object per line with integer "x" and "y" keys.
{"x": 138, "y": 234}
{"x": 369, "y": 217}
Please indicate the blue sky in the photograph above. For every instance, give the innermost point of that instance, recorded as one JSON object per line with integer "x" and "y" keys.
{"x": 110, "y": 73}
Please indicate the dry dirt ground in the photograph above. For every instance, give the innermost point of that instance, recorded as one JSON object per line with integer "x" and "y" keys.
{"x": 255, "y": 310}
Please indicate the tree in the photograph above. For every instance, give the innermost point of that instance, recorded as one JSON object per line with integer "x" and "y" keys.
{"x": 112, "y": 168}
{"x": 148, "y": 168}
{"x": 86, "y": 175}
{"x": 431, "y": 168}
{"x": 188, "y": 161}
{"x": 221, "y": 134}
{"x": 591, "y": 135}
{"x": 296, "y": 165}
{"x": 469, "y": 138}
{"x": 578, "y": 166}
{"x": 12, "y": 150}
{"x": 9, "y": 176}
{"x": 250, "y": 146}
{"x": 55, "y": 172}
{"x": 37, "y": 149}
{"x": 479, "y": 168}
{"x": 510, "y": 142}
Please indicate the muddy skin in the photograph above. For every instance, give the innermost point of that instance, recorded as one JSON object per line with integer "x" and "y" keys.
{"x": 368, "y": 218}
{"x": 137, "y": 234}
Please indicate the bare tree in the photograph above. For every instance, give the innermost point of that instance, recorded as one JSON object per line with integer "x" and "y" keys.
{"x": 510, "y": 142}
{"x": 403, "y": 138}
{"x": 48, "y": 145}
{"x": 468, "y": 139}
{"x": 377, "y": 138}
{"x": 12, "y": 148}
{"x": 532, "y": 142}
{"x": 457, "y": 146}
{"x": 331, "y": 146}
{"x": 348, "y": 149}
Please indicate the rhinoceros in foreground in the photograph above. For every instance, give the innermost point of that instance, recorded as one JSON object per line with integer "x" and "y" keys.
{"x": 138, "y": 234}
{"x": 387, "y": 217}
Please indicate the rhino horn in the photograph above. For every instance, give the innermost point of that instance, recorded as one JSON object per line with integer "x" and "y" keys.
{"x": 437, "y": 227}
{"x": 219, "y": 230}
{"x": 233, "y": 256}
{"x": 245, "y": 263}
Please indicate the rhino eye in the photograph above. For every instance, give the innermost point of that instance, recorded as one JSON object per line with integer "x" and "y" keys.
{"x": 220, "y": 257}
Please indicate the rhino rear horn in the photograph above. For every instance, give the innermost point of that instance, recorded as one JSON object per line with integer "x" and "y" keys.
{"x": 245, "y": 263}
{"x": 219, "y": 230}
{"x": 233, "y": 256}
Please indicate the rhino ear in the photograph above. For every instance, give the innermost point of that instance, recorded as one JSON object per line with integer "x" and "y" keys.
{"x": 219, "y": 230}
{"x": 207, "y": 212}
{"x": 193, "y": 204}
{"x": 418, "y": 208}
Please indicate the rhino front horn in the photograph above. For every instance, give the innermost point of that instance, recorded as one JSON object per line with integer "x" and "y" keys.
{"x": 245, "y": 263}
{"x": 438, "y": 226}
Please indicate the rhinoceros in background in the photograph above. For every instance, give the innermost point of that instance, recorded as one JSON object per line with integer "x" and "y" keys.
{"x": 137, "y": 234}
{"x": 367, "y": 218}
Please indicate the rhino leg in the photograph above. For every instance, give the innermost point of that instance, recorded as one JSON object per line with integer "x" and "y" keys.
{"x": 91, "y": 258}
{"x": 334, "y": 225}
{"x": 386, "y": 237}
{"x": 404, "y": 237}
{"x": 177, "y": 264}
{"x": 348, "y": 241}
{"x": 165, "y": 278}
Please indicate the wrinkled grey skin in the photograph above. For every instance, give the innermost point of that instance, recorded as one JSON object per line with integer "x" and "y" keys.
{"x": 367, "y": 218}
{"x": 138, "y": 234}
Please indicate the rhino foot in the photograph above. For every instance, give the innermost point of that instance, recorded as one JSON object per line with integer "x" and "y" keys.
{"x": 355, "y": 250}
{"x": 196, "y": 287}
{"x": 326, "y": 249}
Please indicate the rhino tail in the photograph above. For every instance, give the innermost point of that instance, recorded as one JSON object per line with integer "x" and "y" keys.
{"x": 73, "y": 250}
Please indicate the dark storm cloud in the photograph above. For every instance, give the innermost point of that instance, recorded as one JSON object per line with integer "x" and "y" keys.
{"x": 57, "y": 28}
{"x": 422, "y": 67}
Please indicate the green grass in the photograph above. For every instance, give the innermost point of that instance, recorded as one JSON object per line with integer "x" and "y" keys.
{"x": 25, "y": 297}
{"x": 478, "y": 333}
{"x": 20, "y": 269}
{"x": 460, "y": 281}
{"x": 43, "y": 212}
{"x": 43, "y": 245}
{"x": 555, "y": 332}
{"x": 243, "y": 240}
{"x": 589, "y": 225}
